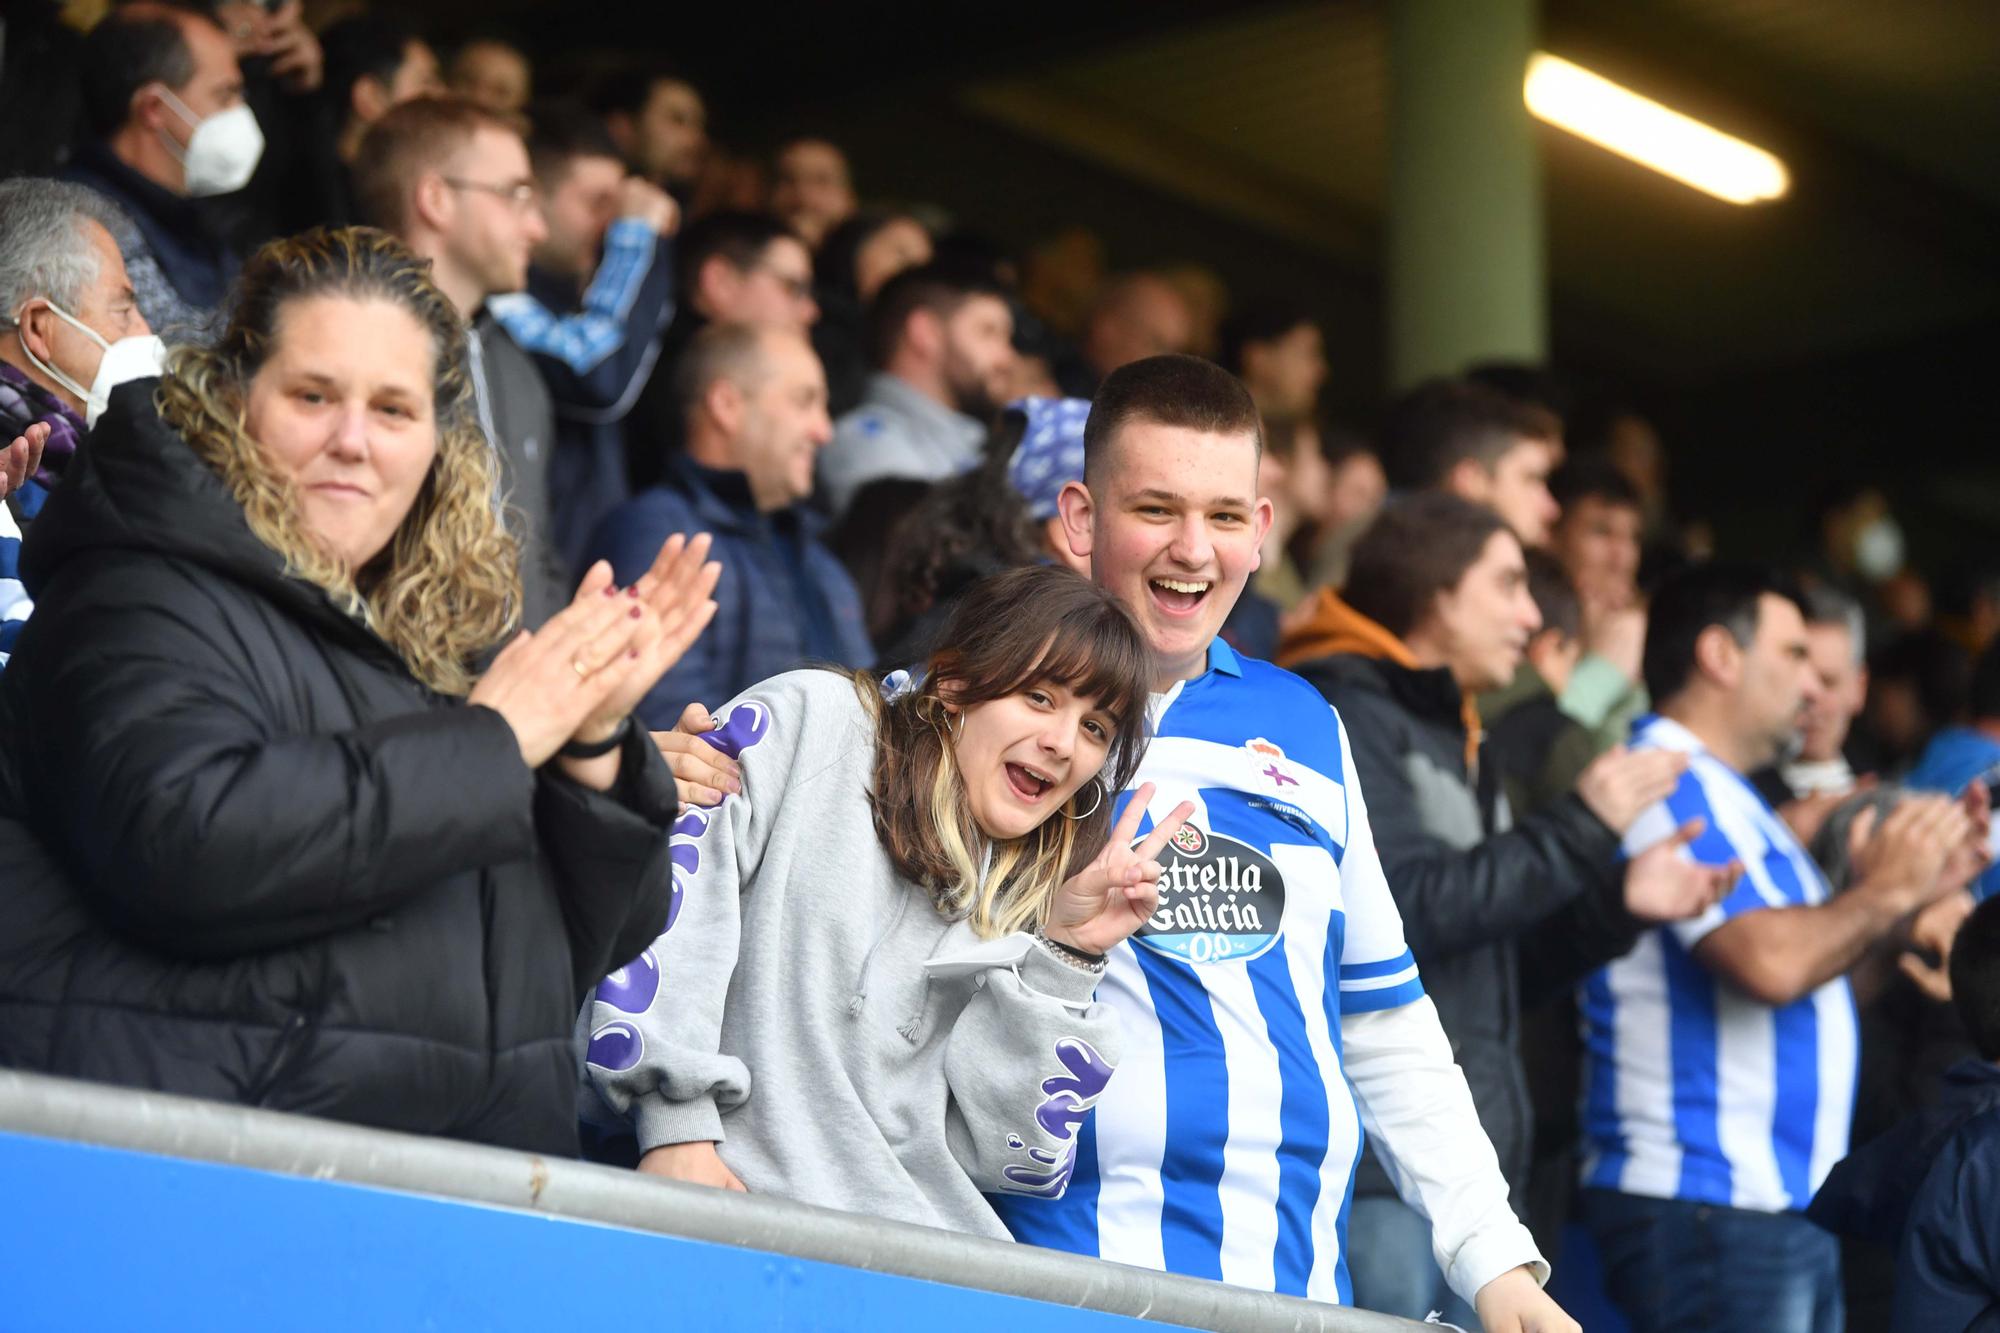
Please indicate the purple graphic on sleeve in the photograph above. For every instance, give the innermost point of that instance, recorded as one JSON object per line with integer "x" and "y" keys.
{"x": 617, "y": 1046}
{"x": 1068, "y": 1099}
{"x": 746, "y": 724}
{"x": 630, "y": 990}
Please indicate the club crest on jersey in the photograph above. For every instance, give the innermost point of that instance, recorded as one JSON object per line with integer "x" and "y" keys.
{"x": 1221, "y": 901}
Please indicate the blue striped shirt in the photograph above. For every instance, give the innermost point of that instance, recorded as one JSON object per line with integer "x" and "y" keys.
{"x": 1225, "y": 1146}
{"x": 1692, "y": 1089}
{"x": 583, "y": 339}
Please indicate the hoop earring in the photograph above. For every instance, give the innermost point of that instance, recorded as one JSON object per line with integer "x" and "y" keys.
{"x": 1093, "y": 808}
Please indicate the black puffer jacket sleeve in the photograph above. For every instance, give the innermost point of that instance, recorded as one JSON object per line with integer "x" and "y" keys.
{"x": 609, "y": 850}
{"x": 204, "y": 820}
{"x": 1454, "y": 900}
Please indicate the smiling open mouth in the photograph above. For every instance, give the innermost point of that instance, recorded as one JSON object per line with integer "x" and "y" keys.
{"x": 1180, "y": 595}
{"x": 1027, "y": 783}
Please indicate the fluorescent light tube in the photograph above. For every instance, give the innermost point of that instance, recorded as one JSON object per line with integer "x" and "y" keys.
{"x": 1592, "y": 107}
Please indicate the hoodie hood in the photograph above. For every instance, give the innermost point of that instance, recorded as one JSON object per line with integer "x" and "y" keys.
{"x": 1332, "y": 628}
{"x": 135, "y": 486}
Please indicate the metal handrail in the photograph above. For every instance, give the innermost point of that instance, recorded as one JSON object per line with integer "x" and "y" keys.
{"x": 53, "y": 1108}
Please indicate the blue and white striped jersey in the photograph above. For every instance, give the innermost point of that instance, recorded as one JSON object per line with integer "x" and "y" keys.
{"x": 1225, "y": 1145}
{"x": 1692, "y": 1089}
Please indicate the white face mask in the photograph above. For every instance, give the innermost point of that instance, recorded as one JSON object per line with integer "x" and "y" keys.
{"x": 127, "y": 359}
{"x": 222, "y": 152}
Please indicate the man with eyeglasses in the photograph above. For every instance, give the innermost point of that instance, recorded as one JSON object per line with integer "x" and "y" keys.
{"x": 452, "y": 181}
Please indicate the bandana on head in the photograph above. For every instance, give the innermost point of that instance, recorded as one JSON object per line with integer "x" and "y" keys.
{"x": 1051, "y": 452}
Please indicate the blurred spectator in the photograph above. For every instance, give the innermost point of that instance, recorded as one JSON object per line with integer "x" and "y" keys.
{"x": 39, "y": 86}
{"x": 1356, "y": 487}
{"x": 600, "y": 291}
{"x": 70, "y": 332}
{"x": 1596, "y": 536}
{"x": 1836, "y": 647}
{"x": 1917, "y": 685}
{"x": 265, "y": 852}
{"x": 730, "y": 268}
{"x": 373, "y": 62}
{"x": 1692, "y": 1192}
{"x": 659, "y": 121}
{"x": 1496, "y": 911}
{"x": 1049, "y": 456}
{"x": 812, "y": 188}
{"x": 1478, "y": 444}
{"x": 454, "y": 183}
{"x": 909, "y": 1063}
{"x": 493, "y": 73}
{"x": 855, "y": 259}
{"x": 1137, "y": 316}
{"x": 1861, "y": 544}
{"x": 961, "y": 531}
{"x": 1926, "y": 1186}
{"x": 1280, "y": 355}
{"x": 1959, "y": 756}
{"x": 1540, "y": 749}
{"x": 1294, "y": 476}
{"x": 1207, "y": 299}
{"x": 1534, "y": 386}
{"x": 941, "y": 342}
{"x": 168, "y": 125}
{"x": 755, "y": 400}
{"x": 1062, "y": 278}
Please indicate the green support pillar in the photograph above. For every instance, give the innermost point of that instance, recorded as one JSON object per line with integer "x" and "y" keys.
{"x": 1466, "y": 262}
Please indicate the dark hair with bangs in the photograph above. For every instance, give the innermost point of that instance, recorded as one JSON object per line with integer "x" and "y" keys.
{"x": 1026, "y": 626}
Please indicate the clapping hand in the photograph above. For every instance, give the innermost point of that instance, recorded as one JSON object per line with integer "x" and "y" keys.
{"x": 675, "y": 595}
{"x": 23, "y": 458}
{"x": 1103, "y": 903}
{"x": 1663, "y": 885}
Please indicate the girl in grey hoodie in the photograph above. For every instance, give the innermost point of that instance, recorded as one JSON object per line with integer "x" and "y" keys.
{"x": 875, "y": 987}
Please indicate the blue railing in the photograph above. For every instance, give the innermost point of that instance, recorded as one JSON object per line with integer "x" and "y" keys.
{"x": 130, "y": 1210}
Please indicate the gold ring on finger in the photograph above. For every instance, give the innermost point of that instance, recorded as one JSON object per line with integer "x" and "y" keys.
{"x": 582, "y": 671}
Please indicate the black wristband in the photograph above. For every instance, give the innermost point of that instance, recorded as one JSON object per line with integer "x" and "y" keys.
{"x": 598, "y": 749}
{"x": 1081, "y": 956}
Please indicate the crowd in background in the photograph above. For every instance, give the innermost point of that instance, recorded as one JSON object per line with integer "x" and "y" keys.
{"x": 1550, "y": 686}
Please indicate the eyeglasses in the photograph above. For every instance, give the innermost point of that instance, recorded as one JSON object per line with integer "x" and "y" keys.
{"x": 521, "y": 194}
{"x": 796, "y": 287}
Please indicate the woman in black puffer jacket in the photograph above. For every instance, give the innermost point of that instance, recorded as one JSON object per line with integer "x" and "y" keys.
{"x": 265, "y": 837}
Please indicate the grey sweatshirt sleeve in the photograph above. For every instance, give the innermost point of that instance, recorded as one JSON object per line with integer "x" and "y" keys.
{"x": 1027, "y": 1060}
{"x": 651, "y": 1032}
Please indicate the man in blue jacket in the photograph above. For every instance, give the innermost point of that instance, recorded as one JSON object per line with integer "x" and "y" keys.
{"x": 754, "y": 400}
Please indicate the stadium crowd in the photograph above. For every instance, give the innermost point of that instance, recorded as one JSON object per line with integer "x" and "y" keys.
{"x": 492, "y": 584}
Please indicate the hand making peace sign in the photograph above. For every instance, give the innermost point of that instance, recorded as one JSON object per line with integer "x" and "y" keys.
{"x": 1108, "y": 899}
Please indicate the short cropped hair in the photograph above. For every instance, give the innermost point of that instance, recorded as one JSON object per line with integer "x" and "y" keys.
{"x": 1554, "y": 592}
{"x": 1975, "y": 978}
{"x": 1443, "y": 422}
{"x": 1418, "y": 547}
{"x": 1170, "y": 390}
{"x": 938, "y": 288}
{"x": 411, "y": 138}
{"x": 129, "y": 48}
{"x": 45, "y": 248}
{"x": 1690, "y": 602}
{"x": 560, "y": 132}
{"x": 737, "y": 237}
{"x": 734, "y": 352}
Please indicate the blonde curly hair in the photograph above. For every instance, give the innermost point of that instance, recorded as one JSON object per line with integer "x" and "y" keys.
{"x": 448, "y": 585}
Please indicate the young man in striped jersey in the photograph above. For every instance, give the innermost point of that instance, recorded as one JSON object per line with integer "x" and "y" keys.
{"x": 1271, "y": 1007}
{"x": 1721, "y": 1052}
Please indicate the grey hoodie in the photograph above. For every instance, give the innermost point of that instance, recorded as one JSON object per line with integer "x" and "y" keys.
{"x": 810, "y": 1008}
